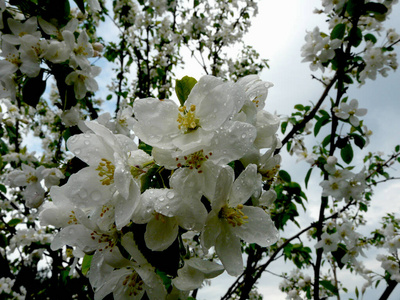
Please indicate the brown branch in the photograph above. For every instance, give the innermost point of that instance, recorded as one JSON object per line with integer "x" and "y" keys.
{"x": 310, "y": 116}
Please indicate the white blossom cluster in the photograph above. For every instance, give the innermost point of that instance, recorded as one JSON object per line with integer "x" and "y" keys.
{"x": 99, "y": 207}
{"x": 320, "y": 47}
{"x": 25, "y": 49}
{"x": 343, "y": 184}
{"x": 6, "y": 285}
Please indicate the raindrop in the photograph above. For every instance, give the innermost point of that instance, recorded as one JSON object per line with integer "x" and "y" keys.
{"x": 170, "y": 195}
{"x": 73, "y": 139}
{"x": 161, "y": 199}
{"x": 243, "y": 135}
{"x": 86, "y": 142}
{"x": 77, "y": 151}
{"x": 83, "y": 193}
{"x": 95, "y": 195}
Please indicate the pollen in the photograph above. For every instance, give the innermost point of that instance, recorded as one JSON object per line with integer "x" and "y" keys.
{"x": 187, "y": 119}
{"x": 233, "y": 215}
{"x": 106, "y": 170}
{"x": 194, "y": 160}
{"x": 133, "y": 283}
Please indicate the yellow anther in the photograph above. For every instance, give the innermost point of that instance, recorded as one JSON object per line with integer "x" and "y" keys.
{"x": 234, "y": 216}
{"x": 187, "y": 119}
{"x": 106, "y": 169}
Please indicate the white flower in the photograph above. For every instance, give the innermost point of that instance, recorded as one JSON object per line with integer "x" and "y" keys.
{"x": 350, "y": 111}
{"x": 30, "y": 178}
{"x": 190, "y": 128}
{"x": 329, "y": 242}
{"x": 83, "y": 80}
{"x": 80, "y": 51}
{"x": 229, "y": 220}
{"x": 194, "y": 272}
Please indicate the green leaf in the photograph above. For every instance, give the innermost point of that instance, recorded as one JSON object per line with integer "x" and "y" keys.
{"x": 284, "y": 126}
{"x": 14, "y": 222}
{"x": 358, "y": 140}
{"x": 326, "y": 140}
{"x": 329, "y": 286}
{"x": 299, "y": 107}
{"x": 370, "y": 37}
{"x": 3, "y": 241}
{"x": 321, "y": 122}
{"x": 347, "y": 153}
{"x": 146, "y": 148}
{"x": 183, "y": 88}
{"x": 375, "y": 8}
{"x": 3, "y": 188}
{"x": 352, "y": 7}
{"x": 307, "y": 178}
{"x": 338, "y": 31}
{"x": 87, "y": 260}
{"x": 285, "y": 176}
{"x": 357, "y": 41}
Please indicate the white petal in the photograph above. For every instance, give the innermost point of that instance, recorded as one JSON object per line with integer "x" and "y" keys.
{"x": 157, "y": 121}
{"x": 259, "y": 227}
{"x": 160, "y": 234}
{"x": 228, "y": 248}
{"x": 245, "y": 185}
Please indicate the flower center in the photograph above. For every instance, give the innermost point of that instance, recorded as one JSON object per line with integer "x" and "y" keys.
{"x": 187, "y": 119}
{"x": 194, "y": 160}
{"x": 134, "y": 283}
{"x": 160, "y": 217}
{"x": 234, "y": 215}
{"x": 31, "y": 179}
{"x": 106, "y": 170}
{"x": 72, "y": 218}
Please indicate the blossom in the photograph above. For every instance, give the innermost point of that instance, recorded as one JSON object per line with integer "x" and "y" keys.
{"x": 83, "y": 80}
{"x": 31, "y": 179}
{"x": 329, "y": 242}
{"x": 230, "y": 220}
{"x": 129, "y": 282}
{"x": 194, "y": 272}
{"x": 189, "y": 128}
{"x": 350, "y": 111}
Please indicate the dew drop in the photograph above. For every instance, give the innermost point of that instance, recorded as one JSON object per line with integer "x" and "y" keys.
{"x": 95, "y": 195}
{"x": 77, "y": 151}
{"x": 83, "y": 193}
{"x": 170, "y": 195}
{"x": 73, "y": 139}
{"x": 243, "y": 136}
{"x": 161, "y": 199}
{"x": 86, "y": 142}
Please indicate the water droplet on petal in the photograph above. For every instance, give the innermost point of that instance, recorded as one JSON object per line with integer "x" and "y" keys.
{"x": 83, "y": 193}
{"x": 170, "y": 195}
{"x": 161, "y": 199}
{"x": 95, "y": 195}
{"x": 77, "y": 151}
{"x": 243, "y": 136}
{"x": 86, "y": 142}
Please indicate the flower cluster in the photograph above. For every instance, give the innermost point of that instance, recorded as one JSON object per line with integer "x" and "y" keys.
{"x": 107, "y": 207}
